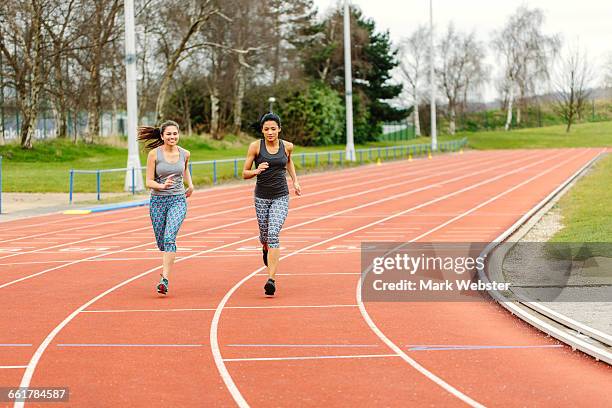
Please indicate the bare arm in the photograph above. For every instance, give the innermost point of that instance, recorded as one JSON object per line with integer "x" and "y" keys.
{"x": 247, "y": 173}
{"x": 187, "y": 175}
{"x": 291, "y": 169}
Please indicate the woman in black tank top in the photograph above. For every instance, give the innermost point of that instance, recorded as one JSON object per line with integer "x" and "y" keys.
{"x": 272, "y": 158}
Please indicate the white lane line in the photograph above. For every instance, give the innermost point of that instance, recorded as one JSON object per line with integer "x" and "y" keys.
{"x": 494, "y": 198}
{"x": 29, "y": 372}
{"x": 212, "y": 309}
{"x": 313, "y": 274}
{"x": 303, "y": 345}
{"x": 216, "y": 351}
{"x": 242, "y": 221}
{"x": 467, "y": 347}
{"x": 402, "y": 354}
{"x": 309, "y": 358}
{"x": 125, "y": 345}
{"x": 13, "y": 366}
{"x": 199, "y": 196}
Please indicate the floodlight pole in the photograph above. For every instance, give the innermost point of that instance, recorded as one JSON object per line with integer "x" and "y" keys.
{"x": 348, "y": 84}
{"x": 271, "y": 100}
{"x": 133, "y": 160}
{"x": 432, "y": 80}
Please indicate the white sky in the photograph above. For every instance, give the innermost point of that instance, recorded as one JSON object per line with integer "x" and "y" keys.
{"x": 588, "y": 22}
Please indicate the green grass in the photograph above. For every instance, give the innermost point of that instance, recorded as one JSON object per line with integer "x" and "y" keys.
{"x": 586, "y": 207}
{"x": 596, "y": 134}
{"x": 46, "y": 167}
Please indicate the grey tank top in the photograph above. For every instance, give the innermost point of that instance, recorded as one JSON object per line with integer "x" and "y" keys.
{"x": 164, "y": 169}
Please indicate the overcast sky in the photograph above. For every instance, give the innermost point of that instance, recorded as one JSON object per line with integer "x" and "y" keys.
{"x": 587, "y": 22}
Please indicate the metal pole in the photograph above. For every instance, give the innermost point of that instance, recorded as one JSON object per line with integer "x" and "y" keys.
{"x": 348, "y": 84}
{"x": 98, "y": 184}
{"x": 71, "y": 184}
{"x": 133, "y": 160}
{"x": 432, "y": 83}
{"x": 1, "y": 99}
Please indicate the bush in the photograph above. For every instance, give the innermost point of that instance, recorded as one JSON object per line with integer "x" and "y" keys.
{"x": 312, "y": 115}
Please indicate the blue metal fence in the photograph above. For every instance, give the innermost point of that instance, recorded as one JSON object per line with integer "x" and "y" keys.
{"x": 224, "y": 167}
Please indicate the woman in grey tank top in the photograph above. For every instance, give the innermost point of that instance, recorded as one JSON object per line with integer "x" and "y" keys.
{"x": 167, "y": 171}
{"x": 272, "y": 158}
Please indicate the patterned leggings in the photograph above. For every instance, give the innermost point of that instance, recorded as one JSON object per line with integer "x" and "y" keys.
{"x": 271, "y": 215}
{"x": 167, "y": 215}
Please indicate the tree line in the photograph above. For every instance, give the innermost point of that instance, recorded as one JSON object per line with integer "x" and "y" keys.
{"x": 530, "y": 63}
{"x": 211, "y": 65}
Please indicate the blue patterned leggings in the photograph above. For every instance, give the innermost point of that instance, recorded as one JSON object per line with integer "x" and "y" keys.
{"x": 271, "y": 215}
{"x": 167, "y": 215}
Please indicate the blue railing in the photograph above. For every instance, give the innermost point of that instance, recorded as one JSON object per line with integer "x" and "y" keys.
{"x": 222, "y": 167}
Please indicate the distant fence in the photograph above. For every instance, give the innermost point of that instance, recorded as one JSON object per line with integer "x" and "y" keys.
{"x": 397, "y": 131}
{"x": 213, "y": 171}
{"x": 110, "y": 124}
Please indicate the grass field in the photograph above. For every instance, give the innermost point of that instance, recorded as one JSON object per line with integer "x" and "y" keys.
{"x": 586, "y": 207}
{"x": 46, "y": 167}
{"x": 595, "y": 134}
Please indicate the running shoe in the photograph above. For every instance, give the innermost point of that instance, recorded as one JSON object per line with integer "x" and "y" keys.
{"x": 162, "y": 286}
{"x": 265, "y": 256}
{"x": 270, "y": 287}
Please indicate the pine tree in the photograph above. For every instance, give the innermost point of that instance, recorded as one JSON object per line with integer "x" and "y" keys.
{"x": 373, "y": 59}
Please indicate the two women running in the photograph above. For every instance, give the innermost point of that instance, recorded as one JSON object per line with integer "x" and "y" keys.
{"x": 167, "y": 171}
{"x": 272, "y": 158}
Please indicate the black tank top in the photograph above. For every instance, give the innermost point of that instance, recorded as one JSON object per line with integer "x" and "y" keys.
{"x": 272, "y": 182}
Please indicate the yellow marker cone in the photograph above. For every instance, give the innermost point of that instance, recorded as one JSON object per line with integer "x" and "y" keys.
{"x": 409, "y": 157}
{"x": 378, "y": 162}
{"x": 429, "y": 155}
{"x": 460, "y": 151}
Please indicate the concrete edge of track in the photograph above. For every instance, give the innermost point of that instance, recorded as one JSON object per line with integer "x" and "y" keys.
{"x": 578, "y": 336}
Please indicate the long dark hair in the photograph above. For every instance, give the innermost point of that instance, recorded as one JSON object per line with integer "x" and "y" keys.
{"x": 152, "y": 136}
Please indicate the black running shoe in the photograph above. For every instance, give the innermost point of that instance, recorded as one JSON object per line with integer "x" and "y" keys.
{"x": 265, "y": 256}
{"x": 270, "y": 287}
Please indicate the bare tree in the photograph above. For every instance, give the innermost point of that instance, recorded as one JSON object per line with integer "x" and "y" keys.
{"x": 183, "y": 27}
{"x": 63, "y": 33}
{"x": 292, "y": 21}
{"x": 101, "y": 29}
{"x": 607, "y": 71}
{"x": 572, "y": 86}
{"x": 413, "y": 59}
{"x": 460, "y": 67}
{"x": 23, "y": 46}
{"x": 526, "y": 54}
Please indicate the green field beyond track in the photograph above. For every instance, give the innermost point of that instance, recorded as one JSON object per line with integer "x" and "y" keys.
{"x": 586, "y": 207}
{"x": 594, "y": 134}
{"x": 46, "y": 167}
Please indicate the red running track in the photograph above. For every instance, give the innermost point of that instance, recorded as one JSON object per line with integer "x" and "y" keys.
{"x": 79, "y": 308}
